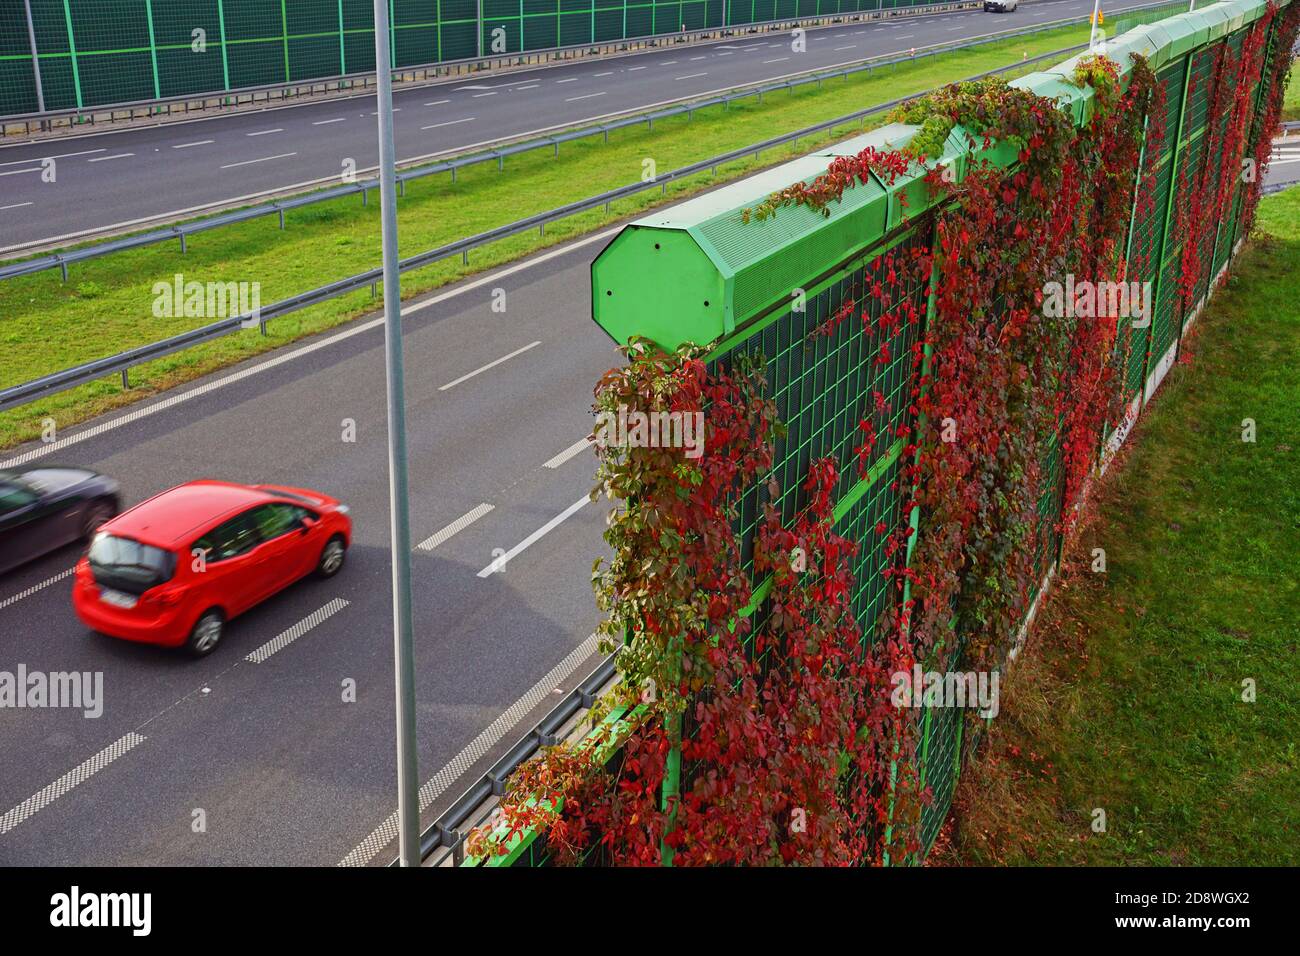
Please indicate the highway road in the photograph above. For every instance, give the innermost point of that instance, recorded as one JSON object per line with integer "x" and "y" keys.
{"x": 285, "y": 771}
{"x": 112, "y": 180}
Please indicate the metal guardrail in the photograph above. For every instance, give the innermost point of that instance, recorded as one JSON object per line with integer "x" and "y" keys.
{"x": 423, "y": 72}
{"x": 122, "y": 363}
{"x": 446, "y": 831}
{"x": 182, "y": 231}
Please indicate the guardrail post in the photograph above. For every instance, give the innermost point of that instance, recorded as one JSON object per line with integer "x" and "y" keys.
{"x": 281, "y": 219}
{"x": 126, "y": 381}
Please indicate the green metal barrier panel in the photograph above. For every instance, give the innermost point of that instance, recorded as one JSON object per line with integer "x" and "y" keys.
{"x": 102, "y": 52}
{"x": 703, "y": 272}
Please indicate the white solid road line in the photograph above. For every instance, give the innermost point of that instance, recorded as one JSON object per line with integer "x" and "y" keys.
{"x": 499, "y": 564}
{"x": 201, "y": 142}
{"x": 264, "y": 159}
{"x": 19, "y": 172}
{"x": 285, "y": 638}
{"x": 337, "y": 119}
{"x": 77, "y": 775}
{"x": 104, "y": 159}
{"x": 456, "y": 527}
{"x": 494, "y": 364}
{"x": 17, "y": 205}
{"x": 467, "y": 119}
{"x": 574, "y": 99}
{"x": 135, "y": 415}
{"x": 386, "y": 832}
{"x": 15, "y": 598}
{"x": 265, "y": 132}
{"x": 574, "y": 449}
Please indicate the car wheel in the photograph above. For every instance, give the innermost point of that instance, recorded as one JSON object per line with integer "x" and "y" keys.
{"x": 331, "y": 557}
{"x": 207, "y": 633}
{"x": 95, "y": 516}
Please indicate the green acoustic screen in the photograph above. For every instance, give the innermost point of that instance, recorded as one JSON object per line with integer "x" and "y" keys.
{"x": 103, "y": 52}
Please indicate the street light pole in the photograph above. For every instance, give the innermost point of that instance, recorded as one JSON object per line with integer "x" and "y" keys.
{"x": 408, "y": 793}
{"x": 1092, "y": 36}
{"x": 36, "y": 62}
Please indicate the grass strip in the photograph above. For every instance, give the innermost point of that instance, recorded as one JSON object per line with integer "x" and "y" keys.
{"x": 1129, "y": 696}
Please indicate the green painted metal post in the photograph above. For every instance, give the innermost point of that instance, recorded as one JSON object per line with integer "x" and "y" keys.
{"x": 153, "y": 48}
{"x": 36, "y": 58}
{"x": 72, "y": 51}
{"x": 1170, "y": 201}
{"x": 225, "y": 61}
{"x": 284, "y": 38}
{"x": 343, "y": 54}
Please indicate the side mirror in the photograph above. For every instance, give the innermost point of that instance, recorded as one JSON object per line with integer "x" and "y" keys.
{"x": 305, "y": 524}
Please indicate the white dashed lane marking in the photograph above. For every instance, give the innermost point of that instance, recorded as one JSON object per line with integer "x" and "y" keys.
{"x": 15, "y": 598}
{"x": 78, "y": 775}
{"x": 285, "y": 638}
{"x": 568, "y": 453}
{"x": 455, "y": 528}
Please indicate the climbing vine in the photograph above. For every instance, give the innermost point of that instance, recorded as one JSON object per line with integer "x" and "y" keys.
{"x": 765, "y": 732}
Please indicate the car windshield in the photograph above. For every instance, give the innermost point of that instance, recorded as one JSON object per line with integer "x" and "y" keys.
{"x": 129, "y": 565}
{"x": 11, "y": 478}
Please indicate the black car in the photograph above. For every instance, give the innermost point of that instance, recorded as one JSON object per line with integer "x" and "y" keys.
{"x": 45, "y": 507}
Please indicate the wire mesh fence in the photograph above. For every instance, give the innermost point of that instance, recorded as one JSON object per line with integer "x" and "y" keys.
{"x": 102, "y": 52}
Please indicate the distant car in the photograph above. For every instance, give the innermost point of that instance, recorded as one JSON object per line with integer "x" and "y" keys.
{"x": 999, "y": 6}
{"x": 176, "y": 568}
{"x": 43, "y": 508}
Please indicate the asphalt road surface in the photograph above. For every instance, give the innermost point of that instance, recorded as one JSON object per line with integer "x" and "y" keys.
{"x": 1284, "y": 169}
{"x": 115, "y": 179}
{"x": 283, "y": 769}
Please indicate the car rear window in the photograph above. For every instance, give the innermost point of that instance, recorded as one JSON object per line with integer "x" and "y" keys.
{"x": 128, "y": 565}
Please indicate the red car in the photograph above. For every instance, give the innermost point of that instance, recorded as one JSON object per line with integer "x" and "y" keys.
{"x": 175, "y": 568}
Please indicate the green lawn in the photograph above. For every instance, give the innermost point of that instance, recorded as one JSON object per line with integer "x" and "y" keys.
{"x": 106, "y": 307}
{"x": 1129, "y": 695}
